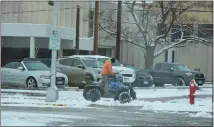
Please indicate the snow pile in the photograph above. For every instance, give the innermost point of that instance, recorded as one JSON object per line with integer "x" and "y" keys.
{"x": 201, "y": 105}
{"x": 150, "y": 93}
{"x": 201, "y": 114}
{"x": 33, "y": 119}
{"x": 21, "y": 100}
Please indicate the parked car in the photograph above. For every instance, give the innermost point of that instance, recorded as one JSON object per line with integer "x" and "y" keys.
{"x": 175, "y": 74}
{"x": 30, "y": 74}
{"x": 46, "y": 61}
{"x": 128, "y": 73}
{"x": 130, "y": 66}
{"x": 143, "y": 79}
{"x": 78, "y": 70}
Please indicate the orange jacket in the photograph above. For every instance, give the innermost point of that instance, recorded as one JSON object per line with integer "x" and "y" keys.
{"x": 107, "y": 68}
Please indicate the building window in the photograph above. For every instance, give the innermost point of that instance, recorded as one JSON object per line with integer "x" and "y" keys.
{"x": 91, "y": 23}
{"x": 166, "y": 56}
{"x": 161, "y": 29}
{"x": 205, "y": 30}
{"x": 173, "y": 56}
{"x": 176, "y": 29}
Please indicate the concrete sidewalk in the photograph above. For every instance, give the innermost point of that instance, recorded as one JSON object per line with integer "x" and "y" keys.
{"x": 164, "y": 99}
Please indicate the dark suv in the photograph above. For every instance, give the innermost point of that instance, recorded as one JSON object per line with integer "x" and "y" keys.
{"x": 174, "y": 73}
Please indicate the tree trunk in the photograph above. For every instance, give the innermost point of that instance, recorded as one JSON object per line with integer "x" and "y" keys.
{"x": 149, "y": 57}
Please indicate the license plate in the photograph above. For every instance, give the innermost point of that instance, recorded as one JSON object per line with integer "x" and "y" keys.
{"x": 59, "y": 82}
{"x": 125, "y": 79}
{"x": 200, "y": 82}
{"x": 145, "y": 82}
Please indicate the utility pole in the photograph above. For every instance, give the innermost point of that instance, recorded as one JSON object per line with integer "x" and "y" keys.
{"x": 54, "y": 45}
{"x": 0, "y": 44}
{"x": 96, "y": 27}
{"x": 77, "y": 29}
{"x": 119, "y": 11}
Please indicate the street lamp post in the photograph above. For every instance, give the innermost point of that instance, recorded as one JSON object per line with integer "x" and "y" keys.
{"x": 54, "y": 45}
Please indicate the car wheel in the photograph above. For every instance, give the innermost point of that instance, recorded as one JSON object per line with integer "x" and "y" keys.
{"x": 93, "y": 95}
{"x": 31, "y": 82}
{"x": 85, "y": 92}
{"x": 124, "y": 97}
{"x": 179, "y": 82}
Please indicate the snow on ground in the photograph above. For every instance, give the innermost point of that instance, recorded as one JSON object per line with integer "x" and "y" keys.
{"x": 201, "y": 114}
{"x": 37, "y": 119}
{"x": 116, "y": 125}
{"x": 75, "y": 99}
{"x": 201, "y": 105}
{"x": 150, "y": 93}
{"x": 141, "y": 93}
{"x": 201, "y": 108}
{"x": 25, "y": 91}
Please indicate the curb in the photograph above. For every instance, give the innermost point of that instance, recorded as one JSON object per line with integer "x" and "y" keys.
{"x": 165, "y": 99}
{"x": 72, "y": 88}
{"x": 55, "y": 105}
{"x": 180, "y": 112}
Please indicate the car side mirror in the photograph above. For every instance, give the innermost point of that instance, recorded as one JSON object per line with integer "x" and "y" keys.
{"x": 59, "y": 70}
{"x": 81, "y": 66}
{"x": 171, "y": 69}
{"x": 20, "y": 68}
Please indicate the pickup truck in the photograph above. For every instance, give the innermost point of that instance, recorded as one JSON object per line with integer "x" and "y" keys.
{"x": 175, "y": 74}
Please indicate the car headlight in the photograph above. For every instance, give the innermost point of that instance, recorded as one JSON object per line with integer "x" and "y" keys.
{"x": 115, "y": 71}
{"x": 188, "y": 74}
{"x": 122, "y": 70}
{"x": 45, "y": 76}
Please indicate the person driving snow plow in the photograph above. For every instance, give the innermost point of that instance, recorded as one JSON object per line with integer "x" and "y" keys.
{"x": 106, "y": 72}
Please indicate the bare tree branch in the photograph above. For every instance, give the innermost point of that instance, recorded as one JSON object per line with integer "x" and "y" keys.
{"x": 173, "y": 45}
{"x": 152, "y": 26}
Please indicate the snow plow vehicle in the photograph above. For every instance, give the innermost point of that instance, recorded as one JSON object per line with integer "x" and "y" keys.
{"x": 118, "y": 89}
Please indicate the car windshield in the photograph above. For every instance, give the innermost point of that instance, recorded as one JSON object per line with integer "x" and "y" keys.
{"x": 181, "y": 67}
{"x": 90, "y": 62}
{"x": 130, "y": 66}
{"x": 46, "y": 62}
{"x": 34, "y": 66}
{"x": 101, "y": 61}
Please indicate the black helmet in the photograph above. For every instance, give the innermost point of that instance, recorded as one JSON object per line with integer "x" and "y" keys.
{"x": 112, "y": 60}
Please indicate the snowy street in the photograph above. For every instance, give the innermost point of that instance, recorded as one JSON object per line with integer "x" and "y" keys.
{"x": 160, "y": 107}
{"x": 99, "y": 116}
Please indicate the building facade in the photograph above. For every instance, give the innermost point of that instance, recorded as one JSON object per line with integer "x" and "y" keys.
{"x": 195, "y": 55}
{"x": 26, "y": 27}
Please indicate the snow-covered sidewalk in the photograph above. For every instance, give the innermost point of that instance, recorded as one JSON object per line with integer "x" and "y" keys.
{"x": 141, "y": 93}
{"x": 74, "y": 99}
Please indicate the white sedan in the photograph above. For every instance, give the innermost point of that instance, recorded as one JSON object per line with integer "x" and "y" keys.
{"x": 30, "y": 74}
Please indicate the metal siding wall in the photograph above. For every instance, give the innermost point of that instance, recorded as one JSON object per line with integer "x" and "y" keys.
{"x": 67, "y": 17}
{"x": 196, "y": 56}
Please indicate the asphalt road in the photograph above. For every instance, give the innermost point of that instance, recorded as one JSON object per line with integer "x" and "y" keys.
{"x": 114, "y": 116}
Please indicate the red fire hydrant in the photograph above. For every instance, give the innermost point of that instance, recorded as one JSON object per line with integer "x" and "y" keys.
{"x": 192, "y": 88}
